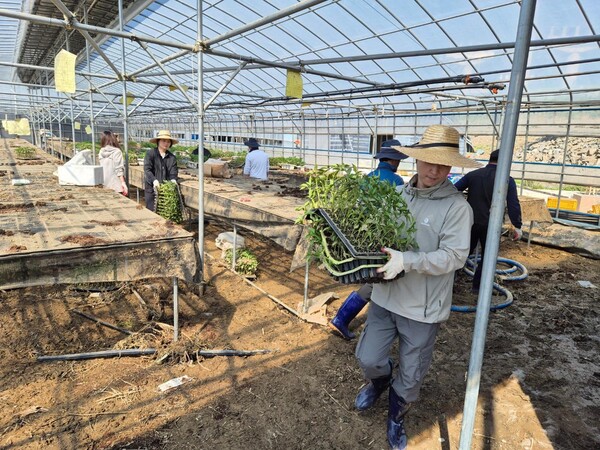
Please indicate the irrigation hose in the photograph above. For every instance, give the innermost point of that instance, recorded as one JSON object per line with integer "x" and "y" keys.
{"x": 502, "y": 274}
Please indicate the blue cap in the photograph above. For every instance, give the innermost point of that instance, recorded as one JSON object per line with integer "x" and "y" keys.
{"x": 252, "y": 143}
{"x": 387, "y": 152}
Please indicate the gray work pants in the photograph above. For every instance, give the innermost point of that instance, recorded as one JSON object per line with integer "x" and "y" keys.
{"x": 415, "y": 350}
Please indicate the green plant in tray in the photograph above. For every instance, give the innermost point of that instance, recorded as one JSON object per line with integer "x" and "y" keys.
{"x": 25, "y": 152}
{"x": 245, "y": 261}
{"x": 168, "y": 204}
{"x": 370, "y": 213}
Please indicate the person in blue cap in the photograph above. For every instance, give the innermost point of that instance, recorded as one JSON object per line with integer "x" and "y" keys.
{"x": 257, "y": 161}
{"x": 389, "y": 160}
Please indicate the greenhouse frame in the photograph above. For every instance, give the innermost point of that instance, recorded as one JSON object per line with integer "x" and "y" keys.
{"x": 326, "y": 81}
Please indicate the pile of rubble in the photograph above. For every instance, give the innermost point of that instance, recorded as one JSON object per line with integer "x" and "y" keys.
{"x": 549, "y": 149}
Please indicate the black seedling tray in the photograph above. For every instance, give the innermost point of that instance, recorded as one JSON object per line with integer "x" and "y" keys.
{"x": 346, "y": 241}
{"x": 365, "y": 275}
{"x": 362, "y": 267}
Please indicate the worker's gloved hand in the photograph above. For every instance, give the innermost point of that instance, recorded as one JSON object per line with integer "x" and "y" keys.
{"x": 394, "y": 266}
{"x": 173, "y": 181}
{"x": 517, "y": 234}
{"x": 155, "y": 185}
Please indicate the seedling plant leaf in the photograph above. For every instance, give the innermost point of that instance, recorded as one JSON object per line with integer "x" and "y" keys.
{"x": 370, "y": 213}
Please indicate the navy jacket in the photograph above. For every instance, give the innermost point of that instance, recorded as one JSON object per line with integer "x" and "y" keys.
{"x": 480, "y": 185}
{"x": 159, "y": 168}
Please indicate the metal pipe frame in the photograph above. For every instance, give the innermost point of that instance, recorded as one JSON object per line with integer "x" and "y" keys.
{"x": 68, "y": 24}
{"x": 125, "y": 128}
{"x": 288, "y": 66}
{"x": 285, "y": 12}
{"x": 51, "y": 69}
{"x": 70, "y": 17}
{"x": 91, "y": 98}
{"x": 446, "y": 50}
{"x": 200, "y": 119}
{"x": 173, "y": 80}
{"x": 222, "y": 88}
{"x": 509, "y": 130}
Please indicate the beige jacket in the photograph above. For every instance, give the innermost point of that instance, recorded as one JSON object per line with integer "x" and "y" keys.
{"x": 443, "y": 218}
{"x": 113, "y": 167}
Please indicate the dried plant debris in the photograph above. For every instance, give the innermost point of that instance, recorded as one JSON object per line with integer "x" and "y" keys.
{"x": 85, "y": 240}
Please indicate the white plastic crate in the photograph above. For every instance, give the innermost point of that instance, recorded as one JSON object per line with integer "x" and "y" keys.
{"x": 80, "y": 175}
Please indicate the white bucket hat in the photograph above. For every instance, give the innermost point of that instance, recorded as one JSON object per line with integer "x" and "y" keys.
{"x": 439, "y": 145}
{"x": 164, "y": 134}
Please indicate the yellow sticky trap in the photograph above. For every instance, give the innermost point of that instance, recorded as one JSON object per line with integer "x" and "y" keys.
{"x": 130, "y": 98}
{"x": 64, "y": 72}
{"x": 305, "y": 104}
{"x": 293, "y": 84}
{"x": 88, "y": 129}
{"x": 77, "y": 125}
{"x": 172, "y": 88}
{"x": 10, "y": 126}
{"x": 22, "y": 127}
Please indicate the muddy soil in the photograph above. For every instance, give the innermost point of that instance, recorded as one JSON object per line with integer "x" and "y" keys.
{"x": 539, "y": 386}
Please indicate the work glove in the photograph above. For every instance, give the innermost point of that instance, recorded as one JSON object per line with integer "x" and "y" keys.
{"x": 156, "y": 184}
{"x": 173, "y": 181}
{"x": 517, "y": 234}
{"x": 394, "y": 266}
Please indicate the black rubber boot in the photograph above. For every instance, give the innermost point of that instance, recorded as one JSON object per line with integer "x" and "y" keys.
{"x": 395, "y": 424}
{"x": 348, "y": 311}
{"x": 369, "y": 394}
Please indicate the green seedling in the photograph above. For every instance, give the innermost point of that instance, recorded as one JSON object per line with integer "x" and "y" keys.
{"x": 370, "y": 213}
{"x": 168, "y": 203}
{"x": 245, "y": 261}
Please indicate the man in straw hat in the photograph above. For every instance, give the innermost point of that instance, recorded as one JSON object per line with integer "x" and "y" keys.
{"x": 159, "y": 165}
{"x": 411, "y": 308}
{"x": 389, "y": 160}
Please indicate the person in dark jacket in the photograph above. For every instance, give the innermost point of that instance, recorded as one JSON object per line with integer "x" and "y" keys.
{"x": 480, "y": 187}
{"x": 207, "y": 153}
{"x": 389, "y": 160}
{"x": 160, "y": 165}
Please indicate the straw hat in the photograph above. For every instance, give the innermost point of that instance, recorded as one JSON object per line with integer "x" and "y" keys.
{"x": 439, "y": 145}
{"x": 164, "y": 134}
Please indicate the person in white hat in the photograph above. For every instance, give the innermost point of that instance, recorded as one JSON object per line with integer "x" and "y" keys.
{"x": 411, "y": 307}
{"x": 160, "y": 165}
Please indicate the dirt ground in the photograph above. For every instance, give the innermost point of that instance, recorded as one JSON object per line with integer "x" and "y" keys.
{"x": 539, "y": 387}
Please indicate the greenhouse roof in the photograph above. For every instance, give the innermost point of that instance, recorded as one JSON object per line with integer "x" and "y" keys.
{"x": 351, "y": 54}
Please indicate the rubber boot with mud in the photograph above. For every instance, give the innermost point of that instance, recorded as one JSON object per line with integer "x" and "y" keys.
{"x": 369, "y": 394}
{"x": 348, "y": 311}
{"x": 395, "y": 424}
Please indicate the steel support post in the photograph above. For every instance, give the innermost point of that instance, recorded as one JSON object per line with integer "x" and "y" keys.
{"x": 175, "y": 310}
{"x": 564, "y": 159}
{"x": 124, "y": 98}
{"x": 91, "y": 115}
{"x": 525, "y": 152}
{"x": 200, "y": 112}
{"x": 509, "y": 130}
